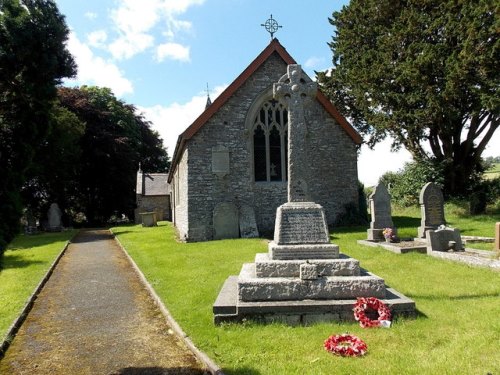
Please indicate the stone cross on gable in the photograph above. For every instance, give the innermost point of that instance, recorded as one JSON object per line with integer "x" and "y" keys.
{"x": 293, "y": 90}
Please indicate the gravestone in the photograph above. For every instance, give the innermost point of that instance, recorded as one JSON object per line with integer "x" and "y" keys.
{"x": 432, "y": 208}
{"x": 302, "y": 277}
{"x": 148, "y": 219}
{"x": 444, "y": 239}
{"x": 226, "y": 221}
{"x": 54, "y": 218}
{"x": 497, "y": 237}
{"x": 31, "y": 226}
{"x": 248, "y": 224}
{"x": 380, "y": 209}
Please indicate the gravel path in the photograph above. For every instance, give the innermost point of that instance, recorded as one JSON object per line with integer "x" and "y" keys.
{"x": 95, "y": 317}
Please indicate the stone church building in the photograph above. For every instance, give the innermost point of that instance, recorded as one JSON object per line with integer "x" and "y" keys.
{"x": 229, "y": 168}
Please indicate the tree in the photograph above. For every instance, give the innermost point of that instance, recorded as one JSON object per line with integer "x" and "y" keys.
{"x": 115, "y": 141}
{"x": 54, "y": 175}
{"x": 33, "y": 60}
{"x": 425, "y": 73}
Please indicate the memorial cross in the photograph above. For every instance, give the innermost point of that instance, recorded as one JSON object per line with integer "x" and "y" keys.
{"x": 292, "y": 90}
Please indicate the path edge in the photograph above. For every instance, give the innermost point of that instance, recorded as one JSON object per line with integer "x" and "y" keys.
{"x": 212, "y": 367}
{"x": 18, "y": 322}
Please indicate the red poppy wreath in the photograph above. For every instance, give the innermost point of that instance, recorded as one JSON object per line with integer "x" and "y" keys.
{"x": 346, "y": 345}
{"x": 372, "y": 304}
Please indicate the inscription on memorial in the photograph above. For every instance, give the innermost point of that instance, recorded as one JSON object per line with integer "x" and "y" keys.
{"x": 435, "y": 213}
{"x": 300, "y": 226}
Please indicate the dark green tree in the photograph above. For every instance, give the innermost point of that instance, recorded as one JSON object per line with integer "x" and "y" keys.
{"x": 54, "y": 176}
{"x": 115, "y": 141}
{"x": 33, "y": 60}
{"x": 423, "y": 72}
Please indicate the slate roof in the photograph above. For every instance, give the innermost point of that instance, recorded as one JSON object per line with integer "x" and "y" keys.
{"x": 154, "y": 184}
{"x": 274, "y": 46}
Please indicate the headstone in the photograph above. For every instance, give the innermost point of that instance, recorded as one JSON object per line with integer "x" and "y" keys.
{"x": 248, "y": 224}
{"x": 444, "y": 239}
{"x": 148, "y": 219}
{"x": 54, "y": 218}
{"x": 226, "y": 221}
{"x": 497, "y": 237}
{"x": 380, "y": 209}
{"x": 432, "y": 208}
{"x": 31, "y": 226}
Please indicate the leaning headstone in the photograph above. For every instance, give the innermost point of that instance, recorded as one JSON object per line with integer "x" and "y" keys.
{"x": 226, "y": 221}
{"x": 497, "y": 238}
{"x": 432, "y": 208}
{"x": 248, "y": 224}
{"x": 54, "y": 218}
{"x": 444, "y": 239}
{"x": 380, "y": 209}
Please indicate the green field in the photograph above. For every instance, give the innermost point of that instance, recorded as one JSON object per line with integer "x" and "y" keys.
{"x": 493, "y": 172}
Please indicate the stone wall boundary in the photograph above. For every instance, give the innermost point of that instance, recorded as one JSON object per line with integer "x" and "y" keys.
{"x": 16, "y": 325}
{"x": 212, "y": 367}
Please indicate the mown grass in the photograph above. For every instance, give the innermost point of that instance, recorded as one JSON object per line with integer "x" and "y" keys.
{"x": 22, "y": 266}
{"x": 493, "y": 172}
{"x": 456, "y": 331}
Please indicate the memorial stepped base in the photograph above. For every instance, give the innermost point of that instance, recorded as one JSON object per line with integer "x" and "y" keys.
{"x": 227, "y": 308}
{"x": 273, "y": 290}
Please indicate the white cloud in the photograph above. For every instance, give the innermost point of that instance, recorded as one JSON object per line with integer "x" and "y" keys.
{"x": 173, "y": 51}
{"x": 374, "y": 163}
{"x": 314, "y": 62}
{"x": 171, "y": 121}
{"x": 94, "y": 70}
{"x": 135, "y": 19}
{"x": 90, "y": 15}
{"x": 97, "y": 38}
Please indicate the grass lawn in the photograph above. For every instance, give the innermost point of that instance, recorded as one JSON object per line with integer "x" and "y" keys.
{"x": 493, "y": 172}
{"x": 25, "y": 262}
{"x": 457, "y": 330}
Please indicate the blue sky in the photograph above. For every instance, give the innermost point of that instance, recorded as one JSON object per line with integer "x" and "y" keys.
{"x": 159, "y": 55}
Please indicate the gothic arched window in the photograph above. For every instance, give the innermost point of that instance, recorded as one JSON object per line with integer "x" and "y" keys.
{"x": 270, "y": 139}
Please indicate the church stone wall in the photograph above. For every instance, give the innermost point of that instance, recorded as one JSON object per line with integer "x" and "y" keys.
{"x": 180, "y": 197}
{"x": 156, "y": 203}
{"x": 333, "y": 173}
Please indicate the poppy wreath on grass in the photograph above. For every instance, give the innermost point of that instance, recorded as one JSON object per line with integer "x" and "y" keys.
{"x": 345, "y": 345}
{"x": 372, "y": 306}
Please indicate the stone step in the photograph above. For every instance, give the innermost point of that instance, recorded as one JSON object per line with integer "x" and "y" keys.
{"x": 251, "y": 288}
{"x": 267, "y": 267}
{"x": 228, "y": 308}
{"x": 303, "y": 251}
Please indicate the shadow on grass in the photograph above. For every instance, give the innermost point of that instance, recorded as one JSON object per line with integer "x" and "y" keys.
{"x": 241, "y": 371}
{"x": 406, "y": 221}
{"x": 16, "y": 261}
{"x": 458, "y": 298}
{"x": 160, "y": 371}
{"x": 29, "y": 241}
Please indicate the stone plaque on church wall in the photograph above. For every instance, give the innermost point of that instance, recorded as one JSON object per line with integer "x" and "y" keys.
{"x": 226, "y": 221}
{"x": 220, "y": 161}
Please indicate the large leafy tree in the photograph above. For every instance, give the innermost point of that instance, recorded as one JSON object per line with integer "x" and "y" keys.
{"x": 33, "y": 60}
{"x": 115, "y": 141}
{"x": 425, "y": 73}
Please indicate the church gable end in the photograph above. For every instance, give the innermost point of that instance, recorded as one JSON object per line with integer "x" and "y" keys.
{"x": 238, "y": 155}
